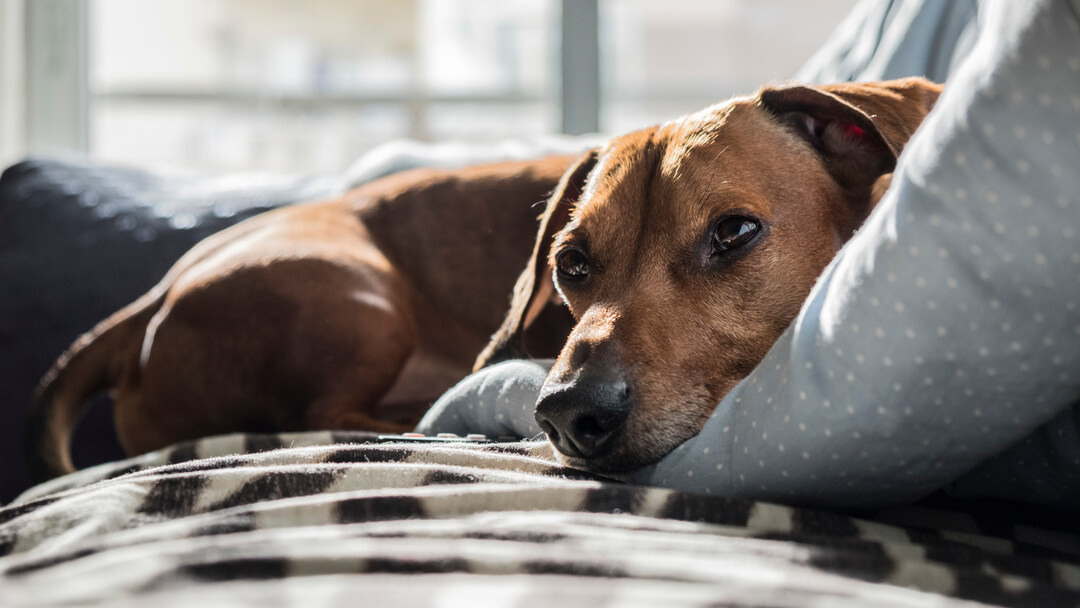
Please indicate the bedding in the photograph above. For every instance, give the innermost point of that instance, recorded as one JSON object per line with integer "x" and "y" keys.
{"x": 887, "y": 39}
{"x": 340, "y": 518}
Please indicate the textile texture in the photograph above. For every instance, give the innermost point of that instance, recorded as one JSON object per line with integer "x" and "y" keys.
{"x": 340, "y": 518}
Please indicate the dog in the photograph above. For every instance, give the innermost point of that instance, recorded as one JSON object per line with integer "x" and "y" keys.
{"x": 690, "y": 248}
{"x": 352, "y": 313}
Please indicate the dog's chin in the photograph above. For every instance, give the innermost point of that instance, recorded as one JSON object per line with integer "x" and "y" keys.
{"x": 628, "y": 456}
{"x": 611, "y": 466}
{"x": 615, "y": 463}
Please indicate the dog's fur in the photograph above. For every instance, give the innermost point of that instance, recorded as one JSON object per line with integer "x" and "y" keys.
{"x": 668, "y": 321}
{"x": 346, "y": 314}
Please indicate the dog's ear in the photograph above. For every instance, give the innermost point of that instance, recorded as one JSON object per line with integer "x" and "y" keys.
{"x": 859, "y": 129}
{"x": 534, "y": 289}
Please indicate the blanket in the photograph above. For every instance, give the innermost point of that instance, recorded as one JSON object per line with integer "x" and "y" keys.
{"x": 341, "y": 517}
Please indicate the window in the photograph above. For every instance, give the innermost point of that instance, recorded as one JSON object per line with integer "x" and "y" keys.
{"x": 661, "y": 60}
{"x": 236, "y": 84}
{"x": 228, "y": 85}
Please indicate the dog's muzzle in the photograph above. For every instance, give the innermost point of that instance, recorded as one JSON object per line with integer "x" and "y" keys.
{"x": 584, "y": 418}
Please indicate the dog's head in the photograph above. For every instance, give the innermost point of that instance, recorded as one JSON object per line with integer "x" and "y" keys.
{"x": 683, "y": 252}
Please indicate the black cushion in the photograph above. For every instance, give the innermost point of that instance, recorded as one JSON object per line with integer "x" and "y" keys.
{"x": 79, "y": 241}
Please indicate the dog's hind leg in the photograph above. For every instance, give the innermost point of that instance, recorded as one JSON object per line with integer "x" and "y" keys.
{"x": 356, "y": 376}
{"x": 292, "y": 345}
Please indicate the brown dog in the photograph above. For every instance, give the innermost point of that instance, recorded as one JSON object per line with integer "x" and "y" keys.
{"x": 691, "y": 249}
{"x": 348, "y": 314}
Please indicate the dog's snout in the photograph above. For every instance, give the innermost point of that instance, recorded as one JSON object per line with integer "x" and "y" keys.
{"x": 582, "y": 419}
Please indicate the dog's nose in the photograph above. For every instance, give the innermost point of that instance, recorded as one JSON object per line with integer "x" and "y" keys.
{"x": 582, "y": 419}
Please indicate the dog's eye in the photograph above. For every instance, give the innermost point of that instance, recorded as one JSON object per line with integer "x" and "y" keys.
{"x": 572, "y": 264}
{"x": 732, "y": 233}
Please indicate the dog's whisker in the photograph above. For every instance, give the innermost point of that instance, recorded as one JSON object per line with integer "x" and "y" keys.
{"x": 717, "y": 157}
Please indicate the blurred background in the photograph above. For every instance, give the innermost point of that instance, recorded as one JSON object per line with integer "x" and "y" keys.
{"x": 280, "y": 85}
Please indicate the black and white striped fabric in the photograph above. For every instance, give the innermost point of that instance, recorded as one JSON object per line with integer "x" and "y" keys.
{"x": 329, "y": 518}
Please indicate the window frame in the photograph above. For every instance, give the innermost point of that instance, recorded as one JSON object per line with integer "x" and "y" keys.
{"x": 57, "y": 93}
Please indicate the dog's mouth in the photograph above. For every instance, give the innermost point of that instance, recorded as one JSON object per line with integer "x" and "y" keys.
{"x": 611, "y": 465}
{"x": 584, "y": 444}
{"x": 616, "y": 458}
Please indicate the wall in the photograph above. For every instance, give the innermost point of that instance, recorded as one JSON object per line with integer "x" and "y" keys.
{"x": 12, "y": 83}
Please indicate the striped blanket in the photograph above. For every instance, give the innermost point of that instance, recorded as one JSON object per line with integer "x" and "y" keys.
{"x": 339, "y": 518}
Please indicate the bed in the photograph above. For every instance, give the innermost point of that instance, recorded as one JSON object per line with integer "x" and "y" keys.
{"x": 343, "y": 518}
